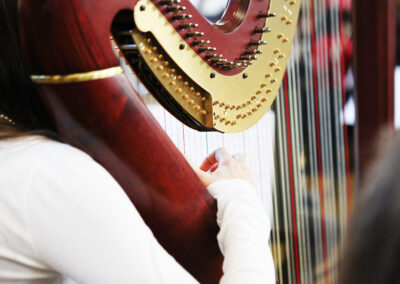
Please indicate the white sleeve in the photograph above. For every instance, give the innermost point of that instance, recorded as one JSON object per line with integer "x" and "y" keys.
{"x": 244, "y": 233}
{"x": 84, "y": 226}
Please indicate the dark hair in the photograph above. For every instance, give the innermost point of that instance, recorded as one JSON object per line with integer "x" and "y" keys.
{"x": 371, "y": 253}
{"x": 19, "y": 99}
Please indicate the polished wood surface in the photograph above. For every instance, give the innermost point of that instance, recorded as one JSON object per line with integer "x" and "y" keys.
{"x": 109, "y": 121}
{"x": 374, "y": 62}
{"x": 104, "y": 119}
{"x": 64, "y": 37}
{"x": 231, "y": 35}
{"x": 80, "y": 32}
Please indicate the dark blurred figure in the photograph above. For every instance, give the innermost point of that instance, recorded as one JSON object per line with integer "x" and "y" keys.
{"x": 372, "y": 250}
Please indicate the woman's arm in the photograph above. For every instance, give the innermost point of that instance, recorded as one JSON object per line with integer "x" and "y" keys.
{"x": 83, "y": 226}
{"x": 244, "y": 224}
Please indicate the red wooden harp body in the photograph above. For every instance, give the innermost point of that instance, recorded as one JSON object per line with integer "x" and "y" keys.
{"x": 70, "y": 47}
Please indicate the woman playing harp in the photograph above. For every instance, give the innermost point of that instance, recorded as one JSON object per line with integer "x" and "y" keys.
{"x": 64, "y": 216}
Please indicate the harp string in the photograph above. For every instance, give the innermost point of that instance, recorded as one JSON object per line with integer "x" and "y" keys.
{"x": 310, "y": 152}
{"x": 326, "y": 138}
{"x": 320, "y": 37}
{"x": 281, "y": 192}
{"x": 297, "y": 133}
{"x": 348, "y": 192}
{"x": 341, "y": 134}
{"x": 299, "y": 149}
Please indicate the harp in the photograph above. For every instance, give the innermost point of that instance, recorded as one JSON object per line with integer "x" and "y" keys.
{"x": 307, "y": 158}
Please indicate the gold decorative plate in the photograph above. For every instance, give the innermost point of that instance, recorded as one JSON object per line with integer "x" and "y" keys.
{"x": 218, "y": 102}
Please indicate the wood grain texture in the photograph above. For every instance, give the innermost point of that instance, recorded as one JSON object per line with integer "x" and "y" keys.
{"x": 109, "y": 121}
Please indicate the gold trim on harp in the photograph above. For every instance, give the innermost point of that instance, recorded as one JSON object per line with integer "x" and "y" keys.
{"x": 77, "y": 77}
{"x": 224, "y": 103}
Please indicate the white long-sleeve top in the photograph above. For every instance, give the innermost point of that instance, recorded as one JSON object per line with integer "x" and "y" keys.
{"x": 62, "y": 216}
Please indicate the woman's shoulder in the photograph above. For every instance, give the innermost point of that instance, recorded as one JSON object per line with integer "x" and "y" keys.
{"x": 36, "y": 155}
{"x": 37, "y": 148}
{"x": 49, "y": 167}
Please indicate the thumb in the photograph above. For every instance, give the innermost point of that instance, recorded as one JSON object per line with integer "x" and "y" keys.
{"x": 205, "y": 177}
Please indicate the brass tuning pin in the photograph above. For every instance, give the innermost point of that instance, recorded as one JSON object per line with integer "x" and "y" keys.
{"x": 176, "y": 8}
{"x": 201, "y": 42}
{"x": 266, "y": 15}
{"x": 194, "y": 34}
{"x": 230, "y": 65}
{"x": 170, "y": 2}
{"x": 125, "y": 33}
{"x": 262, "y": 30}
{"x": 258, "y": 42}
{"x": 128, "y": 47}
{"x": 188, "y": 26}
{"x": 248, "y": 57}
{"x": 239, "y": 64}
{"x": 245, "y": 63}
{"x": 255, "y": 51}
{"x": 207, "y": 49}
{"x": 214, "y": 57}
{"x": 216, "y": 60}
{"x": 182, "y": 16}
{"x": 221, "y": 62}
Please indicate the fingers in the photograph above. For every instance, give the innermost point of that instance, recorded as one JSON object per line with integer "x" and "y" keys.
{"x": 209, "y": 162}
{"x": 222, "y": 156}
{"x": 238, "y": 157}
{"x": 220, "y": 165}
{"x": 219, "y": 156}
{"x": 205, "y": 177}
{"x": 213, "y": 168}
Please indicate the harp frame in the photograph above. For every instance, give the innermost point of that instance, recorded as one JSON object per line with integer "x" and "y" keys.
{"x": 374, "y": 28}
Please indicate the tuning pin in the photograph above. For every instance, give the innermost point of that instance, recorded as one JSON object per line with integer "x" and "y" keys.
{"x": 201, "y": 42}
{"x": 170, "y": 2}
{"x": 128, "y": 47}
{"x": 230, "y": 65}
{"x": 245, "y": 62}
{"x": 188, "y": 26}
{"x": 216, "y": 60}
{"x": 176, "y": 8}
{"x": 255, "y": 51}
{"x": 221, "y": 62}
{"x": 214, "y": 56}
{"x": 258, "y": 42}
{"x": 262, "y": 30}
{"x": 266, "y": 15}
{"x": 124, "y": 33}
{"x": 239, "y": 65}
{"x": 207, "y": 49}
{"x": 182, "y": 17}
{"x": 194, "y": 34}
{"x": 248, "y": 57}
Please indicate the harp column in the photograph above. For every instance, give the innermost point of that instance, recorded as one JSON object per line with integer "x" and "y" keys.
{"x": 375, "y": 51}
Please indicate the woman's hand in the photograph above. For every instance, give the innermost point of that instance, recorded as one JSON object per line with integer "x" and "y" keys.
{"x": 220, "y": 165}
